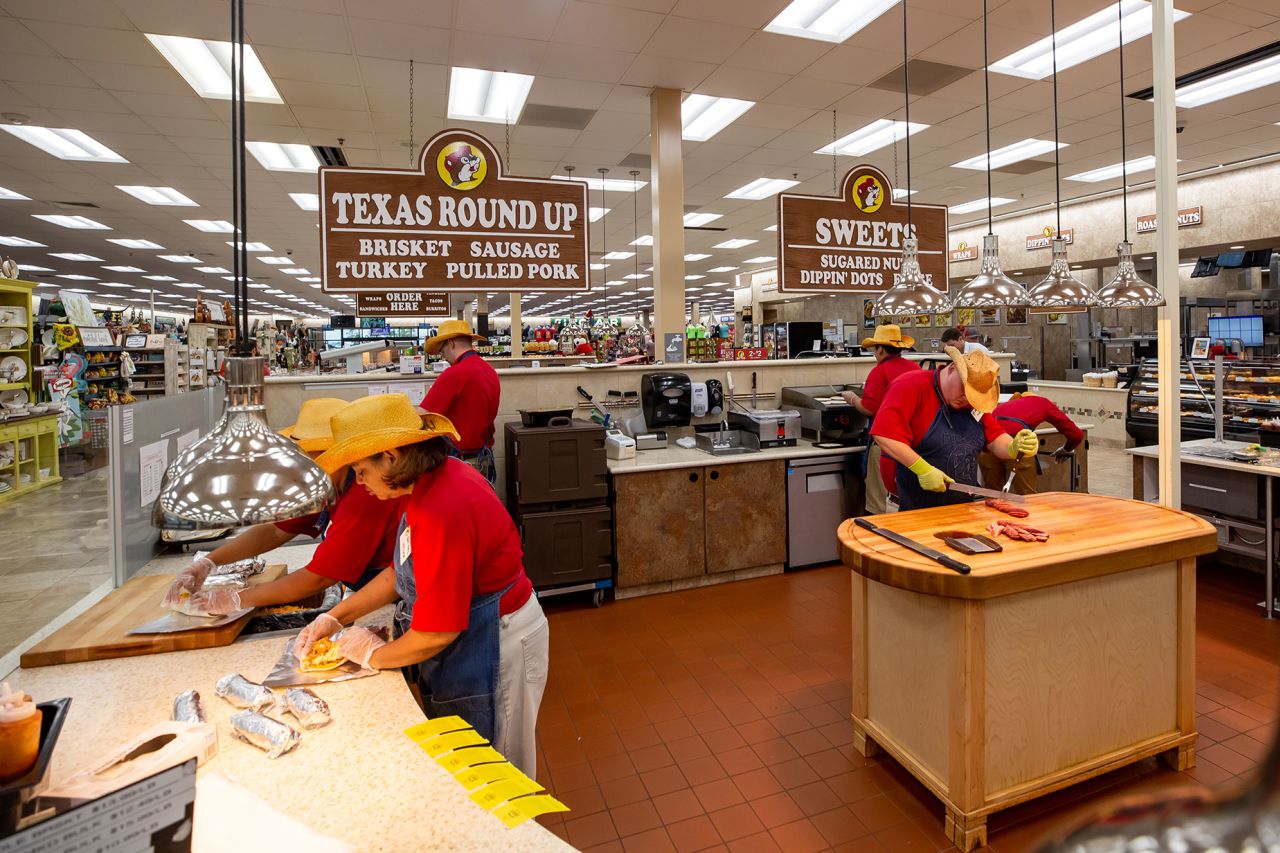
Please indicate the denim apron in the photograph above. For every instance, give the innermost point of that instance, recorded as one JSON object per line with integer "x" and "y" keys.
{"x": 482, "y": 459}
{"x": 462, "y": 678}
{"x": 322, "y": 524}
{"x": 951, "y": 445}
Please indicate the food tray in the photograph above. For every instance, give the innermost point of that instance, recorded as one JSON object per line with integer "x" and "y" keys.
{"x": 15, "y": 795}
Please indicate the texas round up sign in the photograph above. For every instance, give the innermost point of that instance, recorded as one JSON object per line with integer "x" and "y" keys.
{"x": 456, "y": 222}
{"x": 853, "y": 243}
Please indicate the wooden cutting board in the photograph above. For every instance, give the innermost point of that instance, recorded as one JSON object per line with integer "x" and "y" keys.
{"x": 102, "y": 631}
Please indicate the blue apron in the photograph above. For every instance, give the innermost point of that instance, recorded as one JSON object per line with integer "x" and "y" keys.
{"x": 462, "y": 678}
{"x": 951, "y": 445}
{"x": 482, "y": 460}
{"x": 322, "y": 524}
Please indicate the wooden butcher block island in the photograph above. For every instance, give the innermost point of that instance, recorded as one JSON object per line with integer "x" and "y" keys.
{"x": 1050, "y": 663}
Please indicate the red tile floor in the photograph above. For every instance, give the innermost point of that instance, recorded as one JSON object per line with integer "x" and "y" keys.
{"x": 718, "y": 719}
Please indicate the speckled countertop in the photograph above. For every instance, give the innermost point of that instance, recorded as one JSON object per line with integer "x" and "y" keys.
{"x": 673, "y": 456}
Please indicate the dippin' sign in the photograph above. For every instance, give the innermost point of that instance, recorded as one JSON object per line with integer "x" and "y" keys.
{"x": 456, "y": 222}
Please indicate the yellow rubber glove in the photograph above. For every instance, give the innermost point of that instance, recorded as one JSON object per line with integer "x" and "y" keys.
{"x": 1025, "y": 443}
{"x": 931, "y": 479}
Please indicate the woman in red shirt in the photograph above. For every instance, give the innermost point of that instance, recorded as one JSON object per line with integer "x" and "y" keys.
{"x": 468, "y": 628}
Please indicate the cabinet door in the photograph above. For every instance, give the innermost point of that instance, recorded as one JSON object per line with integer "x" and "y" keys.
{"x": 746, "y": 515}
{"x": 659, "y": 526}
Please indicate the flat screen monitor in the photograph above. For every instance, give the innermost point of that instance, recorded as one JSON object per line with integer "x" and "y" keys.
{"x": 342, "y": 321}
{"x": 1247, "y": 329}
{"x": 1231, "y": 259}
{"x": 1258, "y": 258}
{"x": 1205, "y": 267}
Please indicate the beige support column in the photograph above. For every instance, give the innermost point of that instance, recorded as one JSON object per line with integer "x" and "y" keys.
{"x": 1168, "y": 318}
{"x": 517, "y": 340}
{"x": 667, "y": 204}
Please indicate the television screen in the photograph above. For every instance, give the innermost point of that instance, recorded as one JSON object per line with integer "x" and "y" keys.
{"x": 1231, "y": 259}
{"x": 342, "y": 321}
{"x": 1205, "y": 267}
{"x": 1258, "y": 258}
{"x": 1246, "y": 329}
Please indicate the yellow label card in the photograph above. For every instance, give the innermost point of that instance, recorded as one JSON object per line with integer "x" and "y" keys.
{"x": 516, "y": 812}
{"x": 438, "y": 746}
{"x": 438, "y": 726}
{"x": 506, "y": 789}
{"x": 472, "y": 755}
{"x": 482, "y": 774}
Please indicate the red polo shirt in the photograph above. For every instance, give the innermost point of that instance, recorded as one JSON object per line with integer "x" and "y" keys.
{"x": 361, "y": 535}
{"x": 881, "y": 376}
{"x": 467, "y": 394}
{"x": 463, "y": 544}
{"x": 1035, "y": 410}
{"x": 911, "y": 404}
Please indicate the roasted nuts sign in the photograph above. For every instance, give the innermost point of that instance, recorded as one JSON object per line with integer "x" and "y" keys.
{"x": 1188, "y": 217}
{"x": 853, "y": 243}
{"x": 456, "y": 222}
{"x": 402, "y": 303}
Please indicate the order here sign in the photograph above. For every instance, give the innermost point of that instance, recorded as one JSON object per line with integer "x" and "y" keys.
{"x": 455, "y": 222}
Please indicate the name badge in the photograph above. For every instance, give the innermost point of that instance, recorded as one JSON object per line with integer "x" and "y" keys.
{"x": 406, "y": 544}
{"x": 977, "y": 416}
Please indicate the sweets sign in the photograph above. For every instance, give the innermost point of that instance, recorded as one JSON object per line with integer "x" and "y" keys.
{"x": 853, "y": 243}
{"x": 456, "y": 222}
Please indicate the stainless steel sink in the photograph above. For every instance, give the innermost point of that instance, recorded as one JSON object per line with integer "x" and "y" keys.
{"x": 729, "y": 442}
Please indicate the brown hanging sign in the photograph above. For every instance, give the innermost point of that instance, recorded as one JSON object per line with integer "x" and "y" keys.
{"x": 853, "y": 244}
{"x": 456, "y": 222}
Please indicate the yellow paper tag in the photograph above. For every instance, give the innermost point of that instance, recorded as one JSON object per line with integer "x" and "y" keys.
{"x": 507, "y": 789}
{"x": 453, "y": 740}
{"x": 516, "y": 812}
{"x": 473, "y": 777}
{"x": 438, "y": 726}
{"x": 472, "y": 755}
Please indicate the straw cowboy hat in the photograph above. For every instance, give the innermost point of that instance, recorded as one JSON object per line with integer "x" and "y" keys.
{"x": 375, "y": 424}
{"x": 311, "y": 430}
{"x": 889, "y": 335}
{"x": 450, "y": 329}
{"x": 981, "y": 376}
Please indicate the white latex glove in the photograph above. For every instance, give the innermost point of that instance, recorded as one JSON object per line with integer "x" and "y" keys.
{"x": 188, "y": 580}
{"x": 320, "y": 627}
{"x": 358, "y": 644}
{"x": 218, "y": 599}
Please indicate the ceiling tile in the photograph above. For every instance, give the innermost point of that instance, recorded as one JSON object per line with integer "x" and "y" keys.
{"x": 598, "y": 25}
{"x": 682, "y": 38}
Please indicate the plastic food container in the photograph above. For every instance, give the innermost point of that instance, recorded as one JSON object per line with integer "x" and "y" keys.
{"x": 19, "y": 734}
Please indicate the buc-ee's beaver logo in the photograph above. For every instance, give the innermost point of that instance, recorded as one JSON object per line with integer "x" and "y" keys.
{"x": 868, "y": 194}
{"x": 461, "y": 166}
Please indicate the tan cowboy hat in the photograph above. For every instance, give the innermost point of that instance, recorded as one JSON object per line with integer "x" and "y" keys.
{"x": 311, "y": 430}
{"x": 889, "y": 335}
{"x": 450, "y": 329}
{"x": 981, "y": 376}
{"x": 375, "y": 424}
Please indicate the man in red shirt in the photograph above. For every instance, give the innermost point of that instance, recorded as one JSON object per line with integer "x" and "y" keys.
{"x": 934, "y": 425}
{"x": 467, "y": 394}
{"x": 1027, "y": 411}
{"x": 887, "y": 345}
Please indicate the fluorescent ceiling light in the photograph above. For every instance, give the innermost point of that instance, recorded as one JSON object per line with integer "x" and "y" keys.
{"x": 696, "y": 256}
{"x": 599, "y": 266}
{"x": 763, "y": 259}
{"x": 115, "y": 284}
{"x": 10, "y": 195}
{"x": 618, "y": 256}
{"x": 206, "y": 65}
{"x": 703, "y": 116}
{"x": 279, "y": 260}
{"x": 257, "y": 286}
{"x": 309, "y": 278}
{"x": 21, "y": 241}
{"x": 181, "y": 259}
{"x": 286, "y": 157}
{"x": 34, "y": 268}
{"x": 595, "y": 214}
{"x": 1089, "y": 37}
{"x": 295, "y": 271}
{"x": 124, "y": 269}
{"x": 693, "y": 277}
{"x": 161, "y": 278}
{"x": 251, "y": 246}
{"x": 762, "y": 188}
{"x": 130, "y": 243}
{"x": 186, "y": 285}
{"x": 1235, "y": 81}
{"x": 306, "y": 201}
{"x": 74, "y": 256}
{"x": 774, "y": 226}
{"x": 65, "y": 143}
{"x": 1015, "y": 153}
{"x": 735, "y": 243}
{"x": 873, "y": 137}
{"x": 605, "y": 184}
{"x": 722, "y": 269}
{"x": 897, "y": 194}
{"x": 78, "y": 277}
{"x": 166, "y": 196}
{"x": 491, "y": 96}
{"x": 213, "y": 270}
{"x": 211, "y": 226}
{"x": 978, "y": 204}
{"x": 1106, "y": 173}
{"x": 694, "y": 220}
{"x": 827, "y": 20}
{"x": 643, "y": 240}
{"x": 72, "y": 221}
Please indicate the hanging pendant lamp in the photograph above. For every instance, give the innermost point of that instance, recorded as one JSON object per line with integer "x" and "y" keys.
{"x": 911, "y": 292}
{"x": 990, "y": 288}
{"x": 1126, "y": 290}
{"x": 1059, "y": 291}
{"x": 241, "y": 472}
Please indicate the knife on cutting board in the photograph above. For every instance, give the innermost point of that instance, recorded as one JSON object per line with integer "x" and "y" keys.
{"x": 912, "y": 545}
{"x": 978, "y": 491}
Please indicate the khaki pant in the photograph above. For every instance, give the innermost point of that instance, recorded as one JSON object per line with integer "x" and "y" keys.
{"x": 875, "y": 494}
{"x": 995, "y": 471}
{"x": 523, "y": 649}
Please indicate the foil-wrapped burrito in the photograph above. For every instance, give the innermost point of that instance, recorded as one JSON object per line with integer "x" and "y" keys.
{"x": 308, "y": 709}
{"x": 188, "y": 707}
{"x": 272, "y": 736}
{"x": 243, "y": 693}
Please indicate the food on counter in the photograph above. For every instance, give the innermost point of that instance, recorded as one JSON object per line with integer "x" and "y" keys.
{"x": 281, "y": 608}
{"x": 271, "y": 736}
{"x": 307, "y": 708}
{"x": 1017, "y": 530}
{"x": 322, "y": 656}
{"x": 1008, "y": 508}
{"x": 243, "y": 693}
{"x": 19, "y": 734}
{"x": 188, "y": 707}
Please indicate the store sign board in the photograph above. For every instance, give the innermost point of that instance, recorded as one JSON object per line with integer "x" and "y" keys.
{"x": 1044, "y": 240}
{"x": 962, "y": 252}
{"x": 453, "y": 222}
{"x": 853, "y": 243}
{"x": 1188, "y": 217}
{"x": 403, "y": 303}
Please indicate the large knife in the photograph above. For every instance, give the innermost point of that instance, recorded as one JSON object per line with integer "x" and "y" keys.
{"x": 986, "y": 493}
{"x": 911, "y": 544}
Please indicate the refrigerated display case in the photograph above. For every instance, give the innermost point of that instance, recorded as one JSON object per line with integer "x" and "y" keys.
{"x": 1250, "y": 396}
